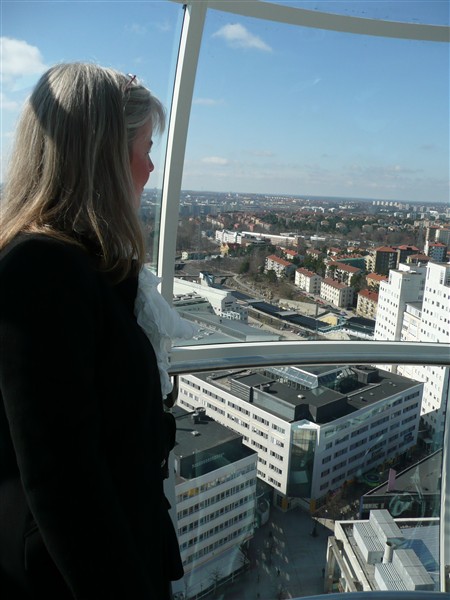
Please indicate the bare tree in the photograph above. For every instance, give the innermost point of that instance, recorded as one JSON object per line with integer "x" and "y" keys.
{"x": 215, "y": 576}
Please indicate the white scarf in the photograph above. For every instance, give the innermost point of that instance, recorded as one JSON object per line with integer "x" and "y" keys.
{"x": 160, "y": 322}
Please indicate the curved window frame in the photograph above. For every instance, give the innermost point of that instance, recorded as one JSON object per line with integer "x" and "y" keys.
{"x": 188, "y": 55}
{"x": 202, "y": 358}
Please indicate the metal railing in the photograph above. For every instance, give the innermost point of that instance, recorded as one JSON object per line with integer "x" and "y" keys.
{"x": 212, "y": 357}
{"x": 194, "y": 359}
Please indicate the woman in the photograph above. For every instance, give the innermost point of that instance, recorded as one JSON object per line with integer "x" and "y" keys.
{"x": 82, "y": 439}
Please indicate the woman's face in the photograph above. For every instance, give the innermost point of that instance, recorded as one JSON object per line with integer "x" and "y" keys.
{"x": 140, "y": 161}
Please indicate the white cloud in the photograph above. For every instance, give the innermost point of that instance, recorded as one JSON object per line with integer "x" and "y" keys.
{"x": 207, "y": 101}
{"x": 136, "y": 28}
{"x": 20, "y": 58}
{"x": 164, "y": 26}
{"x": 237, "y": 36}
{"x": 215, "y": 160}
{"x": 8, "y": 104}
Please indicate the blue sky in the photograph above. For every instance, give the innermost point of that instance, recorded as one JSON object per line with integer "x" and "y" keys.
{"x": 277, "y": 109}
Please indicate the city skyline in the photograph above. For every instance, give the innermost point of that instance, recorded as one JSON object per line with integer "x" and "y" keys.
{"x": 276, "y": 109}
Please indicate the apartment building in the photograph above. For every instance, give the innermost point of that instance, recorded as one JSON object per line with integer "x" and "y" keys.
{"x": 437, "y": 233}
{"x": 417, "y": 259}
{"x": 373, "y": 280}
{"x": 367, "y": 304}
{"x": 414, "y": 306}
{"x": 289, "y": 254}
{"x": 354, "y": 260}
{"x": 277, "y": 240}
{"x": 436, "y": 251}
{"x": 336, "y": 293}
{"x": 429, "y": 321}
{"x": 225, "y": 236}
{"x": 383, "y": 259}
{"x": 308, "y": 281}
{"x": 311, "y": 437}
{"x": 342, "y": 272}
{"x": 215, "y": 488}
{"x": 443, "y": 235}
{"x": 404, "y": 251}
{"x": 282, "y": 267}
{"x": 405, "y": 284}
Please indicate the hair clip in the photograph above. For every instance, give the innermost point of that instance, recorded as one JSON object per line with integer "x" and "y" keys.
{"x": 128, "y": 85}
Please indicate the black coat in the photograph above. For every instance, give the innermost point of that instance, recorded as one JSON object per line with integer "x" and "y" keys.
{"x": 82, "y": 508}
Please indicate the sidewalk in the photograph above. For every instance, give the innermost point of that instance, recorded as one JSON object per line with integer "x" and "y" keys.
{"x": 286, "y": 560}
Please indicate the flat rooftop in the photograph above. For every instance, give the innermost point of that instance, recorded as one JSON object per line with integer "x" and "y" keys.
{"x": 387, "y": 385}
{"x": 218, "y": 445}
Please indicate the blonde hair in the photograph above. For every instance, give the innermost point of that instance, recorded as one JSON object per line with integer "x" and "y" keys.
{"x": 69, "y": 174}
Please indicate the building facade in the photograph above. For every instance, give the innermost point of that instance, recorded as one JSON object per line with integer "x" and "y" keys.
{"x": 215, "y": 487}
{"x": 404, "y": 285}
{"x": 281, "y": 267}
{"x": 384, "y": 259}
{"x": 308, "y": 281}
{"x": 414, "y": 306}
{"x": 311, "y": 438}
{"x": 339, "y": 294}
{"x": 367, "y": 304}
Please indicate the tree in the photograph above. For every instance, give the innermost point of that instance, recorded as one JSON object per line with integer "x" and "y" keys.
{"x": 244, "y": 267}
{"x": 359, "y": 282}
{"x": 215, "y": 576}
{"x": 285, "y": 290}
{"x": 187, "y": 236}
{"x": 271, "y": 276}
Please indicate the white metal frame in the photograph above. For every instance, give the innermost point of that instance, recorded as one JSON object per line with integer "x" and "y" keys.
{"x": 188, "y": 54}
{"x": 197, "y": 358}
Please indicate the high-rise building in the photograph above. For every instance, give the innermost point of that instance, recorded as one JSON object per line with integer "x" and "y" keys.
{"x": 414, "y": 306}
{"x": 384, "y": 259}
{"x": 436, "y": 251}
{"x": 405, "y": 284}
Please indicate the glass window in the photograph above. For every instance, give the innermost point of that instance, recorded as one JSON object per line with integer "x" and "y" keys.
{"x": 307, "y": 147}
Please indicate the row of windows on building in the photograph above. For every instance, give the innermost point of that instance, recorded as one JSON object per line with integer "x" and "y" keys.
{"x": 347, "y": 475}
{"x": 219, "y": 543}
{"x": 234, "y": 406}
{"x": 213, "y": 484}
{"x": 364, "y": 441}
{"x": 217, "y": 514}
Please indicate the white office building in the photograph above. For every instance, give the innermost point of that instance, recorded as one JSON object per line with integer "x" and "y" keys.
{"x": 310, "y": 438}
{"x": 416, "y": 308}
{"x": 215, "y": 487}
{"x": 405, "y": 284}
{"x": 222, "y": 302}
